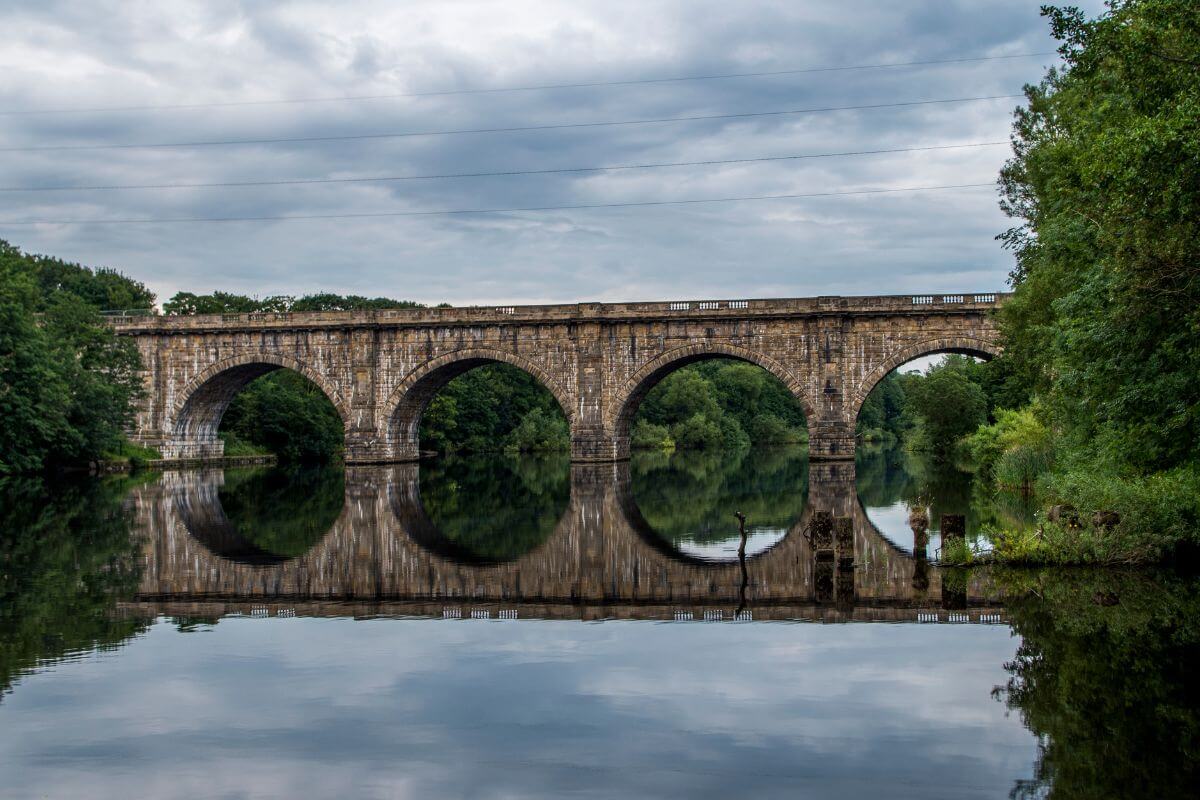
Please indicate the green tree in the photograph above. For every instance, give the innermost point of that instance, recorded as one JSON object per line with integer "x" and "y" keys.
{"x": 286, "y": 414}
{"x": 1105, "y": 184}
{"x": 950, "y": 406}
{"x": 67, "y": 382}
{"x": 102, "y": 288}
{"x": 493, "y": 407}
{"x": 719, "y": 403}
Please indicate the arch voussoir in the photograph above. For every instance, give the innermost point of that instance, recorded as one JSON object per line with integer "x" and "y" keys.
{"x": 981, "y": 347}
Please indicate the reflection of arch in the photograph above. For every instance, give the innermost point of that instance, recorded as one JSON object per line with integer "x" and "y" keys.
{"x": 202, "y": 401}
{"x": 980, "y": 348}
{"x": 404, "y": 500}
{"x": 621, "y": 413}
{"x": 407, "y": 402}
{"x": 406, "y": 504}
{"x": 646, "y": 533}
{"x": 635, "y": 521}
{"x": 200, "y": 512}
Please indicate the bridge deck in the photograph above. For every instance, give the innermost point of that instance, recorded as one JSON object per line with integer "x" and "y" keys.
{"x": 613, "y": 312}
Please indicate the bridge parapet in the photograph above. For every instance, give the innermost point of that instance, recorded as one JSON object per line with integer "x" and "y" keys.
{"x": 577, "y": 312}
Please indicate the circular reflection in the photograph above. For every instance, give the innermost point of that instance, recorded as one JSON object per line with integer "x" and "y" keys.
{"x": 272, "y": 515}
{"x": 494, "y": 508}
{"x": 893, "y": 483}
{"x": 688, "y": 498}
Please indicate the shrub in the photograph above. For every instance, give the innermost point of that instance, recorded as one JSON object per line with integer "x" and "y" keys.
{"x": 697, "y": 432}
{"x": 770, "y": 429}
{"x": 1020, "y": 467}
{"x": 539, "y": 431}
{"x": 648, "y": 436}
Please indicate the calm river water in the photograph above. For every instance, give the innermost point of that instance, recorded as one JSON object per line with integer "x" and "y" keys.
{"x": 518, "y": 627}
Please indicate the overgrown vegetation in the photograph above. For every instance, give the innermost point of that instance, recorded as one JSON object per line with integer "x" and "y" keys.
{"x": 1102, "y": 334}
{"x": 283, "y": 413}
{"x": 492, "y": 408}
{"x": 67, "y": 383}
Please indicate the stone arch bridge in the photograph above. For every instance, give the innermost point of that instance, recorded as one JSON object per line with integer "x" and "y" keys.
{"x": 381, "y": 368}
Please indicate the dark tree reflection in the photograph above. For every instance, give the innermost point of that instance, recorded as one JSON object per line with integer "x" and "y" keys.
{"x": 496, "y": 508}
{"x": 66, "y": 558}
{"x": 283, "y": 512}
{"x": 1105, "y": 677}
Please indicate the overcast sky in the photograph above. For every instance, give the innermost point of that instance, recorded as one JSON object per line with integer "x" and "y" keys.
{"x": 70, "y": 55}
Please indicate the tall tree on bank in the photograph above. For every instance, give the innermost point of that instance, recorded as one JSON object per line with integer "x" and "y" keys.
{"x": 1104, "y": 323}
{"x": 67, "y": 383}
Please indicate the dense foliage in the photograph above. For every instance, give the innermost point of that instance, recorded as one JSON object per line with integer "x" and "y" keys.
{"x": 1104, "y": 676}
{"x": 66, "y": 556}
{"x": 286, "y": 414}
{"x": 67, "y": 383}
{"x": 1095, "y": 403}
{"x": 718, "y": 403}
{"x": 491, "y": 408}
{"x": 1104, "y": 323}
{"x": 930, "y": 411}
{"x": 1102, "y": 333}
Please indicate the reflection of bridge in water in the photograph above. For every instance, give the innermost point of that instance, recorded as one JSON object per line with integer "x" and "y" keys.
{"x": 383, "y": 555}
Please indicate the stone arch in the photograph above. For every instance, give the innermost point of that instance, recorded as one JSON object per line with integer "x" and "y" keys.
{"x": 963, "y": 345}
{"x": 620, "y": 415}
{"x": 196, "y": 414}
{"x": 401, "y": 414}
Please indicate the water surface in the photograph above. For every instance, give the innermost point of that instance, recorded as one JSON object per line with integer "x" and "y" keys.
{"x": 508, "y": 627}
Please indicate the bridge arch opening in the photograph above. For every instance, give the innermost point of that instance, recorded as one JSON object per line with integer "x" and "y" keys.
{"x": 884, "y": 402}
{"x": 478, "y": 401}
{"x": 710, "y": 398}
{"x": 910, "y": 414}
{"x": 265, "y": 403}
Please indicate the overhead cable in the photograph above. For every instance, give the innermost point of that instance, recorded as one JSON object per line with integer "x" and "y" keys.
{"x": 501, "y": 173}
{"x": 501, "y": 89}
{"x": 514, "y": 129}
{"x": 467, "y": 211}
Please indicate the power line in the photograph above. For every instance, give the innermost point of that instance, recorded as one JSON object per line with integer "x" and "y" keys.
{"x": 464, "y": 211}
{"x": 502, "y": 173}
{"x": 515, "y": 129}
{"x": 533, "y": 88}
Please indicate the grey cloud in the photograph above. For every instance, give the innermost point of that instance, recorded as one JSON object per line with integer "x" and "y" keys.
{"x": 105, "y": 54}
